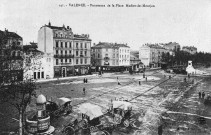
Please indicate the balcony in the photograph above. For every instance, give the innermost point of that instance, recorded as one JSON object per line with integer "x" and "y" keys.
{"x": 106, "y": 58}
{"x": 63, "y": 56}
{"x": 66, "y": 64}
{"x": 81, "y": 55}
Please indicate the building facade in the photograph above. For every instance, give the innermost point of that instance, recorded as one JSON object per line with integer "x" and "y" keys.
{"x": 39, "y": 64}
{"x": 11, "y": 60}
{"x": 135, "y": 63}
{"x": 110, "y": 56}
{"x": 190, "y": 49}
{"x": 151, "y": 55}
{"x": 71, "y": 52}
{"x": 172, "y": 46}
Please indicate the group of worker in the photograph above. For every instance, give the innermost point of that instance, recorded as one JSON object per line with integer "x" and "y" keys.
{"x": 201, "y": 94}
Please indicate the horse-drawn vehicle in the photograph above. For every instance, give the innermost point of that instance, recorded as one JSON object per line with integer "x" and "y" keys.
{"x": 121, "y": 111}
{"x": 89, "y": 121}
{"x": 60, "y": 106}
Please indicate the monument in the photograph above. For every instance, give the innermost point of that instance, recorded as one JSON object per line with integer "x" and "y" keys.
{"x": 190, "y": 70}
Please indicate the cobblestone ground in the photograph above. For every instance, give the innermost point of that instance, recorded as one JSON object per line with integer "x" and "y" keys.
{"x": 150, "y": 103}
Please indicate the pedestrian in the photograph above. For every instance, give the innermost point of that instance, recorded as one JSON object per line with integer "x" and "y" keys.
{"x": 139, "y": 82}
{"x": 143, "y": 75}
{"x": 193, "y": 81}
{"x": 169, "y": 76}
{"x": 199, "y": 94}
{"x": 146, "y": 79}
{"x": 184, "y": 79}
{"x": 203, "y": 94}
{"x": 84, "y": 90}
{"x": 188, "y": 76}
{"x": 160, "y": 130}
{"x": 84, "y": 80}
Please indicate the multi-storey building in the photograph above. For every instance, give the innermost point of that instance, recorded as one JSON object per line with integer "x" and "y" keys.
{"x": 190, "y": 49}
{"x": 172, "y": 46}
{"x": 135, "y": 63}
{"x": 110, "y": 56}
{"x": 38, "y": 65}
{"x": 11, "y": 60}
{"x": 151, "y": 54}
{"x": 71, "y": 52}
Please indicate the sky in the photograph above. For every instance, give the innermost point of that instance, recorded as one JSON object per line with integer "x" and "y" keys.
{"x": 187, "y": 22}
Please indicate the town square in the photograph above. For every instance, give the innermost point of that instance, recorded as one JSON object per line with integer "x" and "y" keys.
{"x": 105, "y": 68}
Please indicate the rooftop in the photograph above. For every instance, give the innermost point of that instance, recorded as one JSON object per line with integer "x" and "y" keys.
{"x": 156, "y": 46}
{"x": 9, "y": 34}
{"x": 109, "y": 45}
{"x": 189, "y": 47}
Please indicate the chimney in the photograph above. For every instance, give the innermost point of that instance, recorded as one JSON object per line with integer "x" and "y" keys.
{"x": 68, "y": 27}
{"x": 49, "y": 24}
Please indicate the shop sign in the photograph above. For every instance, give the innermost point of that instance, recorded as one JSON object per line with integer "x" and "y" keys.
{"x": 43, "y": 124}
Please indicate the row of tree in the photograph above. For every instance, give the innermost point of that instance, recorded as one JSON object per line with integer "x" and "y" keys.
{"x": 182, "y": 58}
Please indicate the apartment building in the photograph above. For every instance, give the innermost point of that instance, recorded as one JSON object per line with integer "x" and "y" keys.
{"x": 172, "y": 46}
{"x": 110, "y": 56}
{"x": 151, "y": 55}
{"x": 11, "y": 60}
{"x": 71, "y": 51}
{"x": 190, "y": 49}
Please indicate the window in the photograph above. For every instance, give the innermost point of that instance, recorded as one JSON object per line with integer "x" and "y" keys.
{"x": 35, "y": 75}
{"x": 85, "y": 61}
{"x": 81, "y": 61}
{"x": 65, "y": 60}
{"x": 42, "y": 74}
{"x": 85, "y": 45}
{"x": 61, "y": 44}
{"x": 56, "y": 35}
{"x": 76, "y": 61}
{"x": 85, "y": 53}
{"x": 81, "y": 45}
{"x": 76, "y": 53}
{"x": 61, "y": 35}
{"x": 98, "y": 55}
{"x": 81, "y": 53}
{"x": 57, "y": 52}
{"x": 57, "y": 62}
{"x": 70, "y": 44}
{"x": 70, "y": 60}
{"x": 38, "y": 75}
{"x": 65, "y": 44}
{"x": 65, "y": 52}
{"x": 61, "y": 52}
{"x": 69, "y": 52}
{"x": 61, "y": 60}
{"x": 57, "y": 44}
{"x": 76, "y": 45}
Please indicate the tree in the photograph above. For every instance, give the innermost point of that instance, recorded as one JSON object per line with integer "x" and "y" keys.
{"x": 14, "y": 90}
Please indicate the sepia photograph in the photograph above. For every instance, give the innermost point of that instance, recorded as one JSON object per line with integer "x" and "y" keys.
{"x": 105, "y": 67}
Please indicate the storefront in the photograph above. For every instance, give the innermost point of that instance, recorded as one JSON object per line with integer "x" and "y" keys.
{"x": 82, "y": 70}
{"x": 63, "y": 71}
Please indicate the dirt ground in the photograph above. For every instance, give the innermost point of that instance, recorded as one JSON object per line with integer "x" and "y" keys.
{"x": 151, "y": 98}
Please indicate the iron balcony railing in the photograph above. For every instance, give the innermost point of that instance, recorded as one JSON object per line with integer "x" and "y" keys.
{"x": 63, "y": 56}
